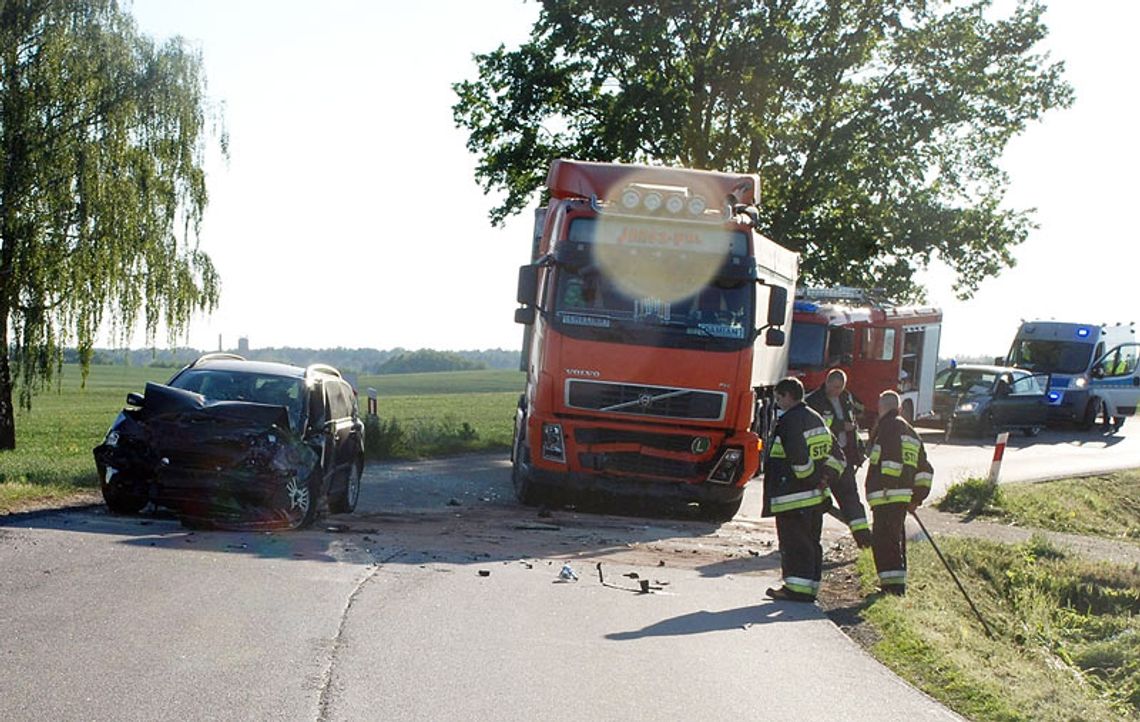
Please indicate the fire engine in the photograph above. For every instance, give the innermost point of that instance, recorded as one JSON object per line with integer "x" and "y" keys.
{"x": 879, "y": 344}
{"x": 653, "y": 312}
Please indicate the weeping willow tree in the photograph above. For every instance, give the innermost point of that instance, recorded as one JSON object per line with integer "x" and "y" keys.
{"x": 102, "y": 139}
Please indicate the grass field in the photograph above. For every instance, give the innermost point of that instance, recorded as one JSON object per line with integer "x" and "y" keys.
{"x": 1067, "y": 632}
{"x": 54, "y": 440}
{"x": 1105, "y": 506}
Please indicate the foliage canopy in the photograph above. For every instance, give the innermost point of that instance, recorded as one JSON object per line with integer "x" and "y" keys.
{"x": 102, "y": 139}
{"x": 876, "y": 125}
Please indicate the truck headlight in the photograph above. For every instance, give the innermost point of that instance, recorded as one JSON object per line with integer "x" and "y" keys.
{"x": 553, "y": 443}
{"x": 728, "y": 467}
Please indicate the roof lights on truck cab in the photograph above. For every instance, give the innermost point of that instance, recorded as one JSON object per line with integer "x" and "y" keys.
{"x": 647, "y": 199}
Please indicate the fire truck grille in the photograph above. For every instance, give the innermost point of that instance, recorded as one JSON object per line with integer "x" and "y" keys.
{"x": 649, "y": 466}
{"x": 665, "y": 442}
{"x": 645, "y": 400}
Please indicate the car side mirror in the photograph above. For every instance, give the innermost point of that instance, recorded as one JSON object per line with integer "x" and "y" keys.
{"x": 528, "y": 285}
{"x": 134, "y": 399}
{"x": 774, "y": 337}
{"x": 1097, "y": 372}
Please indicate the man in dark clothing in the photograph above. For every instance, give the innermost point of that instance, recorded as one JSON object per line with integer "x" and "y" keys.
{"x": 796, "y": 492}
{"x": 835, "y": 404}
{"x": 898, "y": 478}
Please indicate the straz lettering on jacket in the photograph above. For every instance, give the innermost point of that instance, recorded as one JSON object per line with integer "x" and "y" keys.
{"x": 800, "y": 450}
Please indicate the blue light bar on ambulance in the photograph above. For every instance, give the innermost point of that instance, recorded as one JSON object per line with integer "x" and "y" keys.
{"x": 1082, "y": 332}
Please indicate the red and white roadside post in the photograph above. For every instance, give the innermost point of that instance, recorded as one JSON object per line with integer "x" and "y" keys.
{"x": 999, "y": 451}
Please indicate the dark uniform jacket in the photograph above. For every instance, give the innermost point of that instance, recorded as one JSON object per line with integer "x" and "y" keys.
{"x": 852, "y": 410}
{"x": 899, "y": 472}
{"x": 799, "y": 459}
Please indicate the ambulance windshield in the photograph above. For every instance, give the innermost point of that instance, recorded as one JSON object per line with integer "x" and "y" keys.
{"x": 1055, "y": 357}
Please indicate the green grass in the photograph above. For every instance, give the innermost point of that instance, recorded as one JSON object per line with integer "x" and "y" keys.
{"x": 54, "y": 440}
{"x": 1067, "y": 631}
{"x": 1106, "y": 506}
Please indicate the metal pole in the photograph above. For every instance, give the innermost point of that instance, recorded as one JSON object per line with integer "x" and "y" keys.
{"x": 952, "y": 574}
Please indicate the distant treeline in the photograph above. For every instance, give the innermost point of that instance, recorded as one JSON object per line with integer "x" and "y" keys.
{"x": 349, "y": 360}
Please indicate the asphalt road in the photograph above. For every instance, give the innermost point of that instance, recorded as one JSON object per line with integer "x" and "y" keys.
{"x": 385, "y": 614}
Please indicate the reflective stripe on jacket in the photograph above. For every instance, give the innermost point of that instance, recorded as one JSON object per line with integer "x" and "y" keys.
{"x": 899, "y": 472}
{"x": 794, "y": 471}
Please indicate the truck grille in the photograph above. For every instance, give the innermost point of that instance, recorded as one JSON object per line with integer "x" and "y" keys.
{"x": 665, "y": 442}
{"x": 636, "y": 400}
{"x": 647, "y": 466}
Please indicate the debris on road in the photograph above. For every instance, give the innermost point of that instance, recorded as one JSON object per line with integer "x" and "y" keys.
{"x": 454, "y": 502}
{"x": 484, "y": 572}
{"x": 567, "y": 574}
{"x": 535, "y": 526}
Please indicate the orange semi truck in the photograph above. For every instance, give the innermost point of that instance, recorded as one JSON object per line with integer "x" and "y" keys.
{"x": 654, "y": 317}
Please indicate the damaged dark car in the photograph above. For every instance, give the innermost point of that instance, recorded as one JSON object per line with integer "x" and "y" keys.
{"x": 234, "y": 443}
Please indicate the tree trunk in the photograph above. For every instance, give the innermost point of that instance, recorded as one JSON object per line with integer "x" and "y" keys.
{"x": 7, "y": 410}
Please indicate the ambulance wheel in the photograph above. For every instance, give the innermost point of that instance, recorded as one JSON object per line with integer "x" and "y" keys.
{"x": 1088, "y": 420}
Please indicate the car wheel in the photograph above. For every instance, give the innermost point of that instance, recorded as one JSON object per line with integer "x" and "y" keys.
{"x": 295, "y": 503}
{"x": 343, "y": 501}
{"x": 720, "y": 510}
{"x": 118, "y": 500}
{"x": 1031, "y": 431}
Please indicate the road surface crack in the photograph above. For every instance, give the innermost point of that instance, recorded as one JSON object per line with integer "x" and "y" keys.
{"x": 324, "y": 700}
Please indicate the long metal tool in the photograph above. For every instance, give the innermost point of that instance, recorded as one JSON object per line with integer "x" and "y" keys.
{"x": 946, "y": 564}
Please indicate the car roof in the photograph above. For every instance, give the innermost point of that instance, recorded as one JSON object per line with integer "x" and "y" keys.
{"x": 267, "y": 368}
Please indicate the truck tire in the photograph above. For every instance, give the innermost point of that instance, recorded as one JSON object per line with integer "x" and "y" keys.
{"x": 525, "y": 490}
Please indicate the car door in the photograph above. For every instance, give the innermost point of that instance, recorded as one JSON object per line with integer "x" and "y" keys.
{"x": 1023, "y": 403}
{"x": 1116, "y": 378}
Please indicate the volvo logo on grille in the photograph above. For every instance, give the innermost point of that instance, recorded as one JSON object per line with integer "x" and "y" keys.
{"x": 644, "y": 401}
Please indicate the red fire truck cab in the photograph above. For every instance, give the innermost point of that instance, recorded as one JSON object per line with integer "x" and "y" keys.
{"x": 880, "y": 345}
{"x": 653, "y": 310}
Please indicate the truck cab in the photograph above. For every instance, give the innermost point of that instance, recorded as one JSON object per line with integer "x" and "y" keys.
{"x": 653, "y": 312}
{"x": 1093, "y": 367}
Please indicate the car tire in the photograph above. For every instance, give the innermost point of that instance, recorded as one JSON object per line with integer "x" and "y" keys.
{"x": 296, "y": 503}
{"x": 1031, "y": 431}
{"x": 343, "y": 500}
{"x": 720, "y": 511}
{"x": 119, "y": 501}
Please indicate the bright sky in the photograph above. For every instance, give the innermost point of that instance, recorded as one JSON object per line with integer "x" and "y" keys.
{"x": 348, "y": 214}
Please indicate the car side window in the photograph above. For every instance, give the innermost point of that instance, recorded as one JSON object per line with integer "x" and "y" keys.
{"x": 340, "y": 400}
{"x": 1120, "y": 361}
{"x": 1025, "y": 386}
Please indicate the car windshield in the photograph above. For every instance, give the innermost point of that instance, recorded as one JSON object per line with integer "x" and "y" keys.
{"x": 1065, "y": 357}
{"x": 587, "y": 298}
{"x": 965, "y": 382}
{"x": 807, "y": 345}
{"x": 218, "y": 385}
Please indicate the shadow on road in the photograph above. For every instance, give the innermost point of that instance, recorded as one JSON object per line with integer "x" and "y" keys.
{"x": 703, "y": 622}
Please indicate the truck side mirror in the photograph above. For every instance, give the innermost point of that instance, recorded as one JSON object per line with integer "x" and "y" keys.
{"x": 777, "y": 307}
{"x": 774, "y": 337}
{"x": 524, "y": 315}
{"x": 528, "y": 285}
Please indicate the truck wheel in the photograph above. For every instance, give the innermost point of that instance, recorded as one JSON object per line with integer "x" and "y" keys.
{"x": 525, "y": 490}
{"x": 118, "y": 500}
{"x": 720, "y": 510}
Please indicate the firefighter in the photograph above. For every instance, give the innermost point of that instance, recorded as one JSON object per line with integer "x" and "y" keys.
{"x": 796, "y": 492}
{"x": 898, "y": 479}
{"x": 837, "y": 406}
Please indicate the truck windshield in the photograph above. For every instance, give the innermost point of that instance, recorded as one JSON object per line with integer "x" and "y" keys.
{"x": 808, "y": 343}
{"x": 587, "y": 303}
{"x": 1061, "y": 357}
